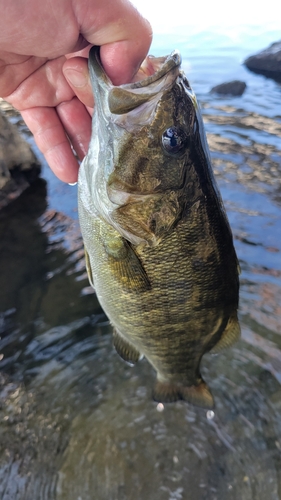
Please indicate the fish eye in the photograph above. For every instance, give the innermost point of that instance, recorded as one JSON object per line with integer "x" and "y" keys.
{"x": 174, "y": 141}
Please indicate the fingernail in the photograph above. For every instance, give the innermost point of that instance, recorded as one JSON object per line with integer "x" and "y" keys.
{"x": 72, "y": 183}
{"x": 76, "y": 78}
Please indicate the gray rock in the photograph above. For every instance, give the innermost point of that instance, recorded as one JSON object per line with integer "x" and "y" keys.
{"x": 18, "y": 164}
{"x": 267, "y": 62}
{"x": 234, "y": 88}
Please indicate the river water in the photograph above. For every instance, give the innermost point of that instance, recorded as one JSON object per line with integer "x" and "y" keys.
{"x": 76, "y": 423}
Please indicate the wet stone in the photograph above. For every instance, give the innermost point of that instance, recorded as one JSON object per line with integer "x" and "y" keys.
{"x": 19, "y": 166}
{"x": 267, "y": 62}
{"x": 76, "y": 423}
{"x": 234, "y": 88}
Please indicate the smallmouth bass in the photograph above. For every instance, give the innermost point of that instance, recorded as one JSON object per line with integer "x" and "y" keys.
{"x": 159, "y": 249}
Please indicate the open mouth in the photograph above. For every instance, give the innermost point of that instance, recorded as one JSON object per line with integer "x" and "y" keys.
{"x": 154, "y": 68}
{"x": 157, "y": 75}
{"x": 151, "y": 70}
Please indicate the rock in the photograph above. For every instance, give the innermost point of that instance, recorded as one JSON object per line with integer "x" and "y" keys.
{"x": 234, "y": 88}
{"x": 267, "y": 62}
{"x": 18, "y": 164}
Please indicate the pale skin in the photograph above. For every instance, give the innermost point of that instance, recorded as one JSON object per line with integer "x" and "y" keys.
{"x": 43, "y": 67}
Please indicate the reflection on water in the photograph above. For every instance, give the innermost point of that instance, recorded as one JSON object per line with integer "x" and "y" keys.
{"x": 76, "y": 423}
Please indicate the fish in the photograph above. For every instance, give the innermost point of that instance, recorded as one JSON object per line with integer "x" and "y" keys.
{"x": 158, "y": 245}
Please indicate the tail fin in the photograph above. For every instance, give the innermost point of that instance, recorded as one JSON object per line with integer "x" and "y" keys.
{"x": 198, "y": 395}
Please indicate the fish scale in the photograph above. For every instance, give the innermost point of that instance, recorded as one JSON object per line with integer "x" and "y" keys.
{"x": 159, "y": 249}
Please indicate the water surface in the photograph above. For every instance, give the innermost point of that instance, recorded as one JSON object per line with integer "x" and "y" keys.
{"x": 76, "y": 423}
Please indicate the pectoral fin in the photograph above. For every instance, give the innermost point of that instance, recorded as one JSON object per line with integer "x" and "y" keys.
{"x": 198, "y": 395}
{"x": 230, "y": 335}
{"x": 125, "y": 350}
{"x": 124, "y": 264}
{"x": 88, "y": 268}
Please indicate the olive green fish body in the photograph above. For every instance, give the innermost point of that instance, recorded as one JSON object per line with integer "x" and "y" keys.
{"x": 159, "y": 249}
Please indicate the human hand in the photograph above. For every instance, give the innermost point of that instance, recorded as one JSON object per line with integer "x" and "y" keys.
{"x": 44, "y": 72}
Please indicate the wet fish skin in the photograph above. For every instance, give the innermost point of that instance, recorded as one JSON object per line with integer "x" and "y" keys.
{"x": 158, "y": 245}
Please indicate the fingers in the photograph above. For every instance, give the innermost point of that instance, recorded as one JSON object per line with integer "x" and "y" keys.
{"x": 77, "y": 123}
{"x": 52, "y": 141}
{"x": 14, "y": 69}
{"x": 76, "y": 73}
{"x": 55, "y": 130}
{"x": 55, "y": 116}
{"x": 45, "y": 87}
{"x": 43, "y": 90}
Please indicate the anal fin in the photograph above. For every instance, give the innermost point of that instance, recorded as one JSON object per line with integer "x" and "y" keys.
{"x": 198, "y": 395}
{"x": 125, "y": 350}
{"x": 230, "y": 335}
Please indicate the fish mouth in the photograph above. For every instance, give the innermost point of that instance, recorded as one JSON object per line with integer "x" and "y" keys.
{"x": 160, "y": 73}
{"x": 128, "y": 108}
{"x": 152, "y": 67}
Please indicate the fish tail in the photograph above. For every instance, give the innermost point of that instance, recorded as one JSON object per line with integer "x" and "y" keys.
{"x": 198, "y": 395}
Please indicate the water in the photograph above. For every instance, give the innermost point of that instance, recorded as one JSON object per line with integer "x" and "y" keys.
{"x": 76, "y": 423}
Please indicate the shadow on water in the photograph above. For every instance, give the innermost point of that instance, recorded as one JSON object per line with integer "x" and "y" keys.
{"x": 76, "y": 423}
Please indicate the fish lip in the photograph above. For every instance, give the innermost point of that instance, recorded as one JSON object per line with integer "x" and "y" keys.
{"x": 170, "y": 62}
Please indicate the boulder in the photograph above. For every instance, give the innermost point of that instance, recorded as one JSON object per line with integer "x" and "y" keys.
{"x": 18, "y": 164}
{"x": 267, "y": 62}
{"x": 233, "y": 88}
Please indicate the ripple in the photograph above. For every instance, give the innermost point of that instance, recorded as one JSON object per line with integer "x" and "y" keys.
{"x": 78, "y": 423}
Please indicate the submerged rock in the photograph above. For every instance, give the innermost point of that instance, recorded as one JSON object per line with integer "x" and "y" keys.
{"x": 234, "y": 88}
{"x": 18, "y": 164}
{"x": 267, "y": 62}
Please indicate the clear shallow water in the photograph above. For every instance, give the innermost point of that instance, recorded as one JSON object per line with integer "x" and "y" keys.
{"x": 76, "y": 423}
